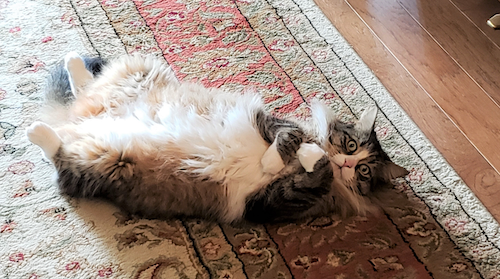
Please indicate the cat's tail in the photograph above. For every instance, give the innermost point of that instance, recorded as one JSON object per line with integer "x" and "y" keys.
{"x": 58, "y": 90}
{"x": 58, "y": 95}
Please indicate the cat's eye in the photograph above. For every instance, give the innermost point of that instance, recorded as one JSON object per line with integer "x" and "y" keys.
{"x": 364, "y": 170}
{"x": 351, "y": 146}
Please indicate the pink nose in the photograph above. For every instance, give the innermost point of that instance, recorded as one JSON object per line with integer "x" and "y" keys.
{"x": 349, "y": 162}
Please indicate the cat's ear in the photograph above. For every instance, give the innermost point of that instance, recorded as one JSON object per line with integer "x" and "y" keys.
{"x": 367, "y": 120}
{"x": 391, "y": 171}
{"x": 322, "y": 116}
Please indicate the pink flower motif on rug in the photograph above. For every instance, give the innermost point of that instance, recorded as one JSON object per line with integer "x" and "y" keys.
{"x": 8, "y": 226}
{"x": 58, "y": 213}
{"x": 456, "y": 225}
{"x": 25, "y": 189}
{"x": 348, "y": 90}
{"x": 272, "y": 19}
{"x": 69, "y": 18}
{"x": 16, "y": 257}
{"x": 72, "y": 266}
{"x": 136, "y": 23}
{"x": 14, "y": 29}
{"x": 293, "y": 20}
{"x": 308, "y": 69}
{"x": 175, "y": 16}
{"x": 108, "y": 271}
{"x": 47, "y": 39}
{"x": 416, "y": 175}
{"x": 329, "y": 96}
{"x": 22, "y": 167}
{"x": 381, "y": 132}
{"x": 105, "y": 272}
{"x": 320, "y": 55}
{"x": 281, "y": 45}
{"x": 218, "y": 62}
{"x": 176, "y": 49}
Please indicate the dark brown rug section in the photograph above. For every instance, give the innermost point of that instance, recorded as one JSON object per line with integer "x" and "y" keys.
{"x": 353, "y": 248}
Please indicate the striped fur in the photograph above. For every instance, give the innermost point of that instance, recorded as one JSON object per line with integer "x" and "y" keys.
{"x": 160, "y": 148}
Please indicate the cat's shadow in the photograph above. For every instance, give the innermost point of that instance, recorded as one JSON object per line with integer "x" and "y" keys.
{"x": 143, "y": 244}
{"x": 129, "y": 244}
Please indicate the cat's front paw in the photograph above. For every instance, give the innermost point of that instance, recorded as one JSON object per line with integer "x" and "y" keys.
{"x": 309, "y": 154}
{"x": 318, "y": 182}
{"x": 322, "y": 175}
{"x": 45, "y": 137}
{"x": 271, "y": 161}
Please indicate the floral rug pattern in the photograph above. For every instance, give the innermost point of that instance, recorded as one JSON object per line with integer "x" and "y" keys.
{"x": 432, "y": 226}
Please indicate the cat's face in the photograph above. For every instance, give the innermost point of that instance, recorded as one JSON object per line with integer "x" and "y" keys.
{"x": 358, "y": 161}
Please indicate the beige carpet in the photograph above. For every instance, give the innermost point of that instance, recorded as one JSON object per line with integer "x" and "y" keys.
{"x": 433, "y": 226}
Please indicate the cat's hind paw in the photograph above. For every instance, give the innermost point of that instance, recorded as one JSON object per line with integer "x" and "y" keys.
{"x": 45, "y": 137}
{"x": 73, "y": 61}
{"x": 78, "y": 74}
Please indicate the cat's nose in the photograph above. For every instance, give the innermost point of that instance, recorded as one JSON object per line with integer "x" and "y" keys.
{"x": 350, "y": 162}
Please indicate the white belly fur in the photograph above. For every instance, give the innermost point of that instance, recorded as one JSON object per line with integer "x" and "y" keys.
{"x": 226, "y": 144}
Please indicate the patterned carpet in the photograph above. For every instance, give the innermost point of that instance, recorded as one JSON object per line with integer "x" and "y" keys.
{"x": 432, "y": 226}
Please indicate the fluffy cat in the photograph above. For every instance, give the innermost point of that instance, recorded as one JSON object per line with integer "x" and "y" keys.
{"x": 133, "y": 134}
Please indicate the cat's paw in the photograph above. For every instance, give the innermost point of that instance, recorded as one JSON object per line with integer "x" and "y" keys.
{"x": 73, "y": 61}
{"x": 78, "y": 74}
{"x": 318, "y": 182}
{"x": 45, "y": 137}
{"x": 321, "y": 177}
{"x": 271, "y": 161}
{"x": 309, "y": 154}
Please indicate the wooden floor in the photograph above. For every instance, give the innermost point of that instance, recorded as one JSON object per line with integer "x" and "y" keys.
{"x": 441, "y": 62}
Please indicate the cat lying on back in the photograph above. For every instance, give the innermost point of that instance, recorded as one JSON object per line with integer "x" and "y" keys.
{"x": 159, "y": 148}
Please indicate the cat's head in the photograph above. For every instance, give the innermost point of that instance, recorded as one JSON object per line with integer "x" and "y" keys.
{"x": 359, "y": 163}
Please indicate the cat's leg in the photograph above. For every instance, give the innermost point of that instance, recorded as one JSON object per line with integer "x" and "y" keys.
{"x": 291, "y": 196}
{"x": 285, "y": 138}
{"x": 78, "y": 75}
{"x": 271, "y": 161}
{"x": 45, "y": 137}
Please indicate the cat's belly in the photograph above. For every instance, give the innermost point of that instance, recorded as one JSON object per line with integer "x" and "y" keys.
{"x": 223, "y": 145}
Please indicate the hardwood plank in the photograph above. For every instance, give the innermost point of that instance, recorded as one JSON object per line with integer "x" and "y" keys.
{"x": 478, "y": 56}
{"x": 449, "y": 86}
{"x": 430, "y": 118}
{"x": 479, "y": 11}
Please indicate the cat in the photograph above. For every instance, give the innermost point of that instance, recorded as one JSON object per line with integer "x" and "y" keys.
{"x": 128, "y": 131}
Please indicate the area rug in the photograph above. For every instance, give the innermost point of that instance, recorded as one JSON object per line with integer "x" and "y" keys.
{"x": 432, "y": 226}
